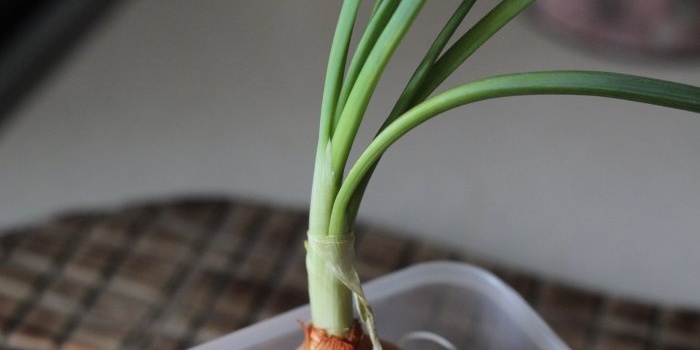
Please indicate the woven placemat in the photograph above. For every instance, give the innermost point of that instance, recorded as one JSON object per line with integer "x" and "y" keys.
{"x": 173, "y": 274}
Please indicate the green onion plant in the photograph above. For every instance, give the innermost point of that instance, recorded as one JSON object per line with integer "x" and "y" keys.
{"x": 350, "y": 82}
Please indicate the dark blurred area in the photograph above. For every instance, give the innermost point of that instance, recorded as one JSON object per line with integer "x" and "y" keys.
{"x": 668, "y": 29}
{"x": 34, "y": 36}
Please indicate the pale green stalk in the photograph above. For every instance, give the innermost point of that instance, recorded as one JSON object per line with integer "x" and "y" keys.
{"x": 331, "y": 302}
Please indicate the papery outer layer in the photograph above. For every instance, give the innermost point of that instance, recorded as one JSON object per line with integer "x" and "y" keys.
{"x": 338, "y": 255}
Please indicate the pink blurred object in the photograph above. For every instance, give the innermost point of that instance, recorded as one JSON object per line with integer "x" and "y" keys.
{"x": 666, "y": 27}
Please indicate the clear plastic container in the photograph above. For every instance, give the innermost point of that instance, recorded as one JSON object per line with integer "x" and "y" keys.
{"x": 464, "y": 305}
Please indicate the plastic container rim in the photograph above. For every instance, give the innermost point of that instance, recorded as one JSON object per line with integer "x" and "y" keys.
{"x": 439, "y": 272}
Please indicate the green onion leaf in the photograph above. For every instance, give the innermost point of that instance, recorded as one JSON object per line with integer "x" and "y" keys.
{"x": 463, "y": 48}
{"x": 406, "y": 98}
{"x": 376, "y": 25}
{"x": 613, "y": 85}
{"x": 367, "y": 80}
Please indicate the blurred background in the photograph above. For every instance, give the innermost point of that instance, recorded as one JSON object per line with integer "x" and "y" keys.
{"x": 105, "y": 103}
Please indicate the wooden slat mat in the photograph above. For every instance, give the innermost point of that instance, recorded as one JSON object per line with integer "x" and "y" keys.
{"x": 169, "y": 275}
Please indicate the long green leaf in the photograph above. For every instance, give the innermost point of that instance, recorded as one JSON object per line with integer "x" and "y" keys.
{"x": 376, "y": 25}
{"x": 612, "y": 85}
{"x": 463, "y": 48}
{"x": 423, "y": 71}
{"x": 323, "y": 188}
{"x": 367, "y": 80}
{"x": 412, "y": 87}
{"x": 336, "y": 66}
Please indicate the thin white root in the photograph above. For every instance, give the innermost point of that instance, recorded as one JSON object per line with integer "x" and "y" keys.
{"x": 426, "y": 336}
